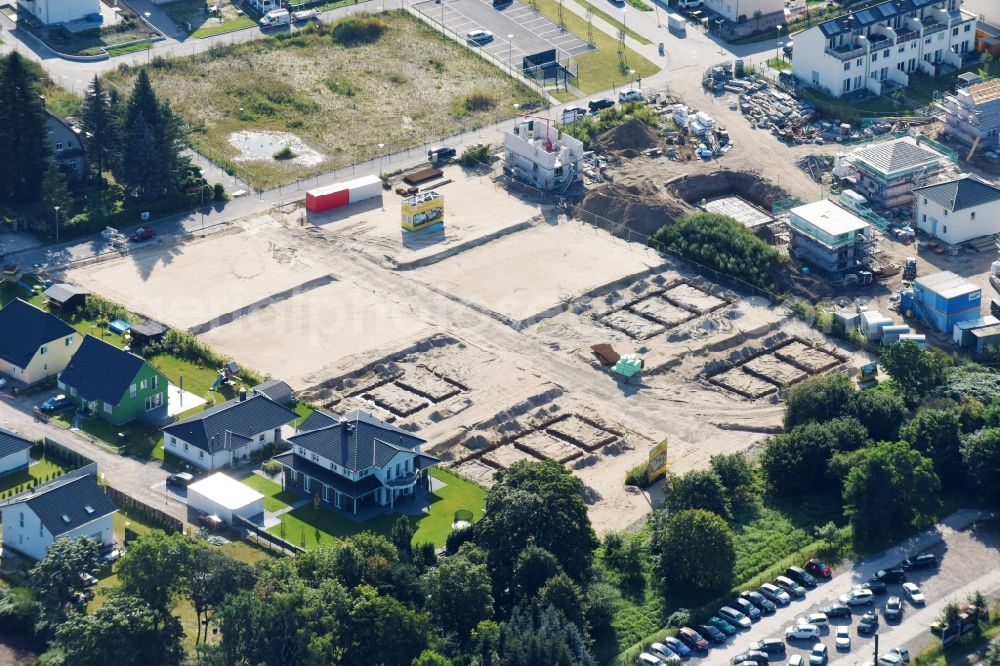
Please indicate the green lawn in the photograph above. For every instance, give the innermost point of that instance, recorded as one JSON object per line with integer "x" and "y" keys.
{"x": 309, "y": 527}
{"x": 275, "y": 497}
{"x": 613, "y": 21}
{"x": 98, "y": 330}
{"x": 850, "y": 111}
{"x": 197, "y": 379}
{"x": 598, "y": 69}
{"x": 39, "y": 472}
{"x": 211, "y": 29}
{"x": 9, "y": 290}
{"x": 923, "y": 88}
{"x": 779, "y": 64}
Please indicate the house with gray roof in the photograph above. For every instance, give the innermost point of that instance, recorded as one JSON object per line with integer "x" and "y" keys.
{"x": 887, "y": 172}
{"x": 355, "y": 460}
{"x": 68, "y": 507}
{"x": 959, "y": 209}
{"x": 228, "y": 434}
{"x": 15, "y": 452}
{"x": 34, "y": 344}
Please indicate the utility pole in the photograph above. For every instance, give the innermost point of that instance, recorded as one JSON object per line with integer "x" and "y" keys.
{"x": 57, "y": 225}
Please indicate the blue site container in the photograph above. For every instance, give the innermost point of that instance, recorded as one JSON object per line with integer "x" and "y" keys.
{"x": 945, "y": 299}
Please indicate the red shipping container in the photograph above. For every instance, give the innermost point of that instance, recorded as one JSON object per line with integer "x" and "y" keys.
{"x": 327, "y": 198}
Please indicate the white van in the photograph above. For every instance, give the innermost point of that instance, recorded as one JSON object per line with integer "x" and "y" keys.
{"x": 689, "y": 4}
{"x": 275, "y": 18}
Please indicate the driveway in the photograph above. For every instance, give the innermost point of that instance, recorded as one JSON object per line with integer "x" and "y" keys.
{"x": 969, "y": 561}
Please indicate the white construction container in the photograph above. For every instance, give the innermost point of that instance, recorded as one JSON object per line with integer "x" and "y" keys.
{"x": 676, "y": 23}
{"x": 892, "y": 333}
{"x": 366, "y": 187}
{"x": 920, "y": 340}
{"x": 850, "y": 196}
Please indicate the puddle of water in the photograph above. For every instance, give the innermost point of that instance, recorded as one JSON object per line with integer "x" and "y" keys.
{"x": 263, "y": 146}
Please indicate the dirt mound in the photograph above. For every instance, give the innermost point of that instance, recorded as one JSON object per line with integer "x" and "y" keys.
{"x": 631, "y": 135}
{"x": 638, "y": 208}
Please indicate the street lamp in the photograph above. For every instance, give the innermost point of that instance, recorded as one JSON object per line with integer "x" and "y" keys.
{"x": 57, "y": 225}
{"x": 777, "y": 49}
{"x": 631, "y": 76}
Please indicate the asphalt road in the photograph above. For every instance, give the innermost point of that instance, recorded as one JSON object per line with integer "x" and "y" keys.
{"x": 969, "y": 561}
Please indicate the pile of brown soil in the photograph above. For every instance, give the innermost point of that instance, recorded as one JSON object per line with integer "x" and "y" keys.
{"x": 631, "y": 135}
{"x": 619, "y": 208}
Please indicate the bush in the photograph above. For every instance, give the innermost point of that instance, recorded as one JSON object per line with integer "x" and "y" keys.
{"x": 220, "y": 192}
{"x": 456, "y": 538}
{"x": 679, "y": 618}
{"x": 285, "y": 153}
{"x": 638, "y": 476}
{"x": 271, "y": 467}
{"x": 98, "y": 308}
{"x": 475, "y": 101}
{"x": 476, "y": 155}
{"x": 358, "y": 30}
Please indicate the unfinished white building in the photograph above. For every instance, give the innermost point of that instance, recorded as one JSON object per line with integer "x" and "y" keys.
{"x": 973, "y": 115}
{"x": 536, "y": 153}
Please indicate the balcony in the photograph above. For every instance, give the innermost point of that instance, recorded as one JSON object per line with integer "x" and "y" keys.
{"x": 931, "y": 26}
{"x": 403, "y": 481}
{"x": 847, "y": 52}
{"x": 906, "y": 36}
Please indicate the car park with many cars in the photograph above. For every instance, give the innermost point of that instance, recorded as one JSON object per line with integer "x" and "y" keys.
{"x": 759, "y": 600}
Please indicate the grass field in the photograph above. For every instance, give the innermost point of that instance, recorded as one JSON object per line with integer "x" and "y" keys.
{"x": 599, "y": 69}
{"x": 275, "y": 497}
{"x": 615, "y": 22}
{"x": 309, "y": 527}
{"x": 403, "y": 89}
{"x": 191, "y": 17}
{"x": 131, "y": 48}
{"x": 38, "y": 472}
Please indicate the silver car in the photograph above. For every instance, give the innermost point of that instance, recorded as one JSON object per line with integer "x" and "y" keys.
{"x": 775, "y": 594}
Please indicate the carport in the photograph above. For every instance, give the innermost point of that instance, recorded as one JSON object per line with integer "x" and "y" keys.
{"x": 225, "y": 497}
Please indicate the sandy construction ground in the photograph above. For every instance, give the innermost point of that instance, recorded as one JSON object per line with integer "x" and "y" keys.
{"x": 523, "y": 275}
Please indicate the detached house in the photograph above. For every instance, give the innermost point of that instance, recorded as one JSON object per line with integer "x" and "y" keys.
{"x": 114, "y": 384}
{"x": 228, "y": 433}
{"x": 355, "y": 460}
{"x": 958, "y": 210}
{"x": 65, "y": 508}
{"x": 34, "y": 344}
{"x": 15, "y": 452}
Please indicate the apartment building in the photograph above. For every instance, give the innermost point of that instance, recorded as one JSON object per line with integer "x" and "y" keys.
{"x": 878, "y": 49}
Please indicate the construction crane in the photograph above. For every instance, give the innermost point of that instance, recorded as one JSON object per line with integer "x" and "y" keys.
{"x": 547, "y": 121}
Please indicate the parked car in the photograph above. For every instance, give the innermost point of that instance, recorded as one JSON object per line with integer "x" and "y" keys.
{"x": 818, "y": 656}
{"x": 890, "y": 576}
{"x": 3, "y": 382}
{"x": 857, "y": 596}
{"x": 677, "y": 647}
{"x": 211, "y": 522}
{"x": 664, "y": 654}
{"x": 802, "y": 632}
{"x": 711, "y": 633}
{"x": 55, "y": 404}
{"x": 441, "y": 154}
{"x": 143, "y": 233}
{"x": 836, "y": 610}
{"x": 600, "y": 103}
{"x": 723, "y": 626}
{"x": 893, "y": 609}
{"x": 647, "y": 659}
{"x": 759, "y": 600}
{"x": 902, "y": 653}
{"x": 630, "y": 95}
{"x": 752, "y": 657}
{"x": 575, "y": 111}
{"x": 747, "y": 608}
{"x": 794, "y": 590}
{"x": 868, "y": 624}
{"x": 818, "y": 568}
{"x": 692, "y": 638}
{"x": 795, "y": 660}
{"x": 775, "y": 594}
{"x": 925, "y": 561}
{"x": 843, "y": 639}
{"x": 180, "y": 479}
{"x": 818, "y": 619}
{"x": 913, "y": 593}
{"x": 801, "y": 576}
{"x": 876, "y": 586}
{"x": 888, "y": 660}
{"x": 735, "y": 617}
{"x": 87, "y": 579}
{"x": 480, "y": 36}
{"x": 305, "y": 15}
{"x": 769, "y": 646}
{"x": 111, "y": 556}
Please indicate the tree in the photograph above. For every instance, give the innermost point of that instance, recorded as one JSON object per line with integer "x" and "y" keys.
{"x": 23, "y": 135}
{"x": 602, "y": 601}
{"x": 55, "y": 192}
{"x": 738, "y": 476}
{"x": 795, "y": 462}
{"x": 431, "y": 658}
{"x": 937, "y": 434}
{"x": 124, "y": 630}
{"x": 892, "y": 489}
{"x": 155, "y": 567}
{"x": 373, "y": 619}
{"x": 697, "y": 489}
{"x": 914, "y": 369}
{"x": 819, "y": 399}
{"x": 101, "y": 126}
{"x": 696, "y": 553}
{"x": 57, "y": 576}
{"x": 881, "y": 412}
{"x": 534, "y": 566}
{"x": 459, "y": 592}
{"x": 540, "y": 503}
{"x": 565, "y": 596}
{"x": 624, "y": 553}
{"x": 150, "y": 163}
{"x": 842, "y": 462}
{"x": 402, "y": 538}
{"x": 981, "y": 455}
{"x": 214, "y": 576}
{"x": 534, "y": 635}
{"x": 992, "y": 657}
{"x": 848, "y": 433}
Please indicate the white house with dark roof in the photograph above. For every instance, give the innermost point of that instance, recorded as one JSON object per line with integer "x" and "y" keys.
{"x": 34, "y": 344}
{"x": 355, "y": 460}
{"x": 68, "y": 507}
{"x": 15, "y": 452}
{"x": 958, "y": 210}
{"x": 226, "y": 435}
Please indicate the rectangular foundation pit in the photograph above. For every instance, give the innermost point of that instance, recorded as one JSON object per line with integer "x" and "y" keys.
{"x": 545, "y": 445}
{"x": 633, "y": 325}
{"x": 396, "y": 400}
{"x": 743, "y": 383}
{"x": 693, "y": 299}
{"x": 477, "y": 471}
{"x": 773, "y": 369}
{"x": 428, "y": 385}
{"x": 661, "y": 310}
{"x": 802, "y": 355}
{"x": 508, "y": 454}
{"x": 581, "y": 433}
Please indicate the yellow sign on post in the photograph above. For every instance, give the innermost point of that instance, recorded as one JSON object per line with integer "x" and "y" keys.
{"x": 658, "y": 461}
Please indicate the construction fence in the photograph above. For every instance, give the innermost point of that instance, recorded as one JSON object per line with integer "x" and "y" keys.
{"x": 261, "y": 536}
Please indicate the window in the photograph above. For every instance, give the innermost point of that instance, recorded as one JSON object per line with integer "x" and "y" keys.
{"x": 154, "y": 401}
{"x": 859, "y": 62}
{"x": 972, "y": 215}
{"x": 69, "y": 341}
{"x": 154, "y": 382}
{"x": 131, "y": 391}
{"x": 201, "y": 455}
{"x": 847, "y": 85}
{"x": 143, "y": 384}
{"x": 874, "y": 57}
{"x": 326, "y": 493}
{"x": 946, "y": 212}
{"x": 968, "y": 26}
{"x": 173, "y": 441}
{"x": 108, "y": 408}
{"x": 954, "y": 32}
{"x": 260, "y": 438}
{"x": 302, "y": 450}
{"x": 944, "y": 229}
{"x": 185, "y": 446}
{"x": 885, "y": 54}
{"x": 43, "y": 350}
{"x": 315, "y": 458}
{"x": 923, "y": 218}
{"x": 59, "y": 145}
{"x": 22, "y": 518}
{"x": 305, "y": 483}
{"x": 847, "y": 66}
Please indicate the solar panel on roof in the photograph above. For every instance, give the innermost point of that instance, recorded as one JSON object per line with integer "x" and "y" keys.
{"x": 865, "y": 16}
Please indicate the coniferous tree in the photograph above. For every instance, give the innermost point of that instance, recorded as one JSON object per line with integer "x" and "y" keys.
{"x": 150, "y": 162}
{"x": 99, "y": 125}
{"x": 23, "y": 137}
{"x": 55, "y": 192}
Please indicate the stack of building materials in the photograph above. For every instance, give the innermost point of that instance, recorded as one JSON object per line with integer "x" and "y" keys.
{"x": 343, "y": 194}
{"x": 872, "y": 322}
{"x": 943, "y": 299}
{"x": 680, "y": 115}
{"x": 701, "y": 124}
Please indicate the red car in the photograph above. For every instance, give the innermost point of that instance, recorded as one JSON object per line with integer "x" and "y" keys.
{"x": 143, "y": 233}
{"x": 817, "y": 568}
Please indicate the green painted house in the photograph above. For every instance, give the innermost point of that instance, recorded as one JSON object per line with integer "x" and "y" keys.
{"x": 114, "y": 384}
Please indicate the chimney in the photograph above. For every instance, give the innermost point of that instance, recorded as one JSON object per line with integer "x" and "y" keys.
{"x": 243, "y": 396}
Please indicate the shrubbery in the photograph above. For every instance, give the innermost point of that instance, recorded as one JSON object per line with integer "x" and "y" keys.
{"x": 358, "y": 30}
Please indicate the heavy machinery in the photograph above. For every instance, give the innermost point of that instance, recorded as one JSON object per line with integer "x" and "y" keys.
{"x": 910, "y": 269}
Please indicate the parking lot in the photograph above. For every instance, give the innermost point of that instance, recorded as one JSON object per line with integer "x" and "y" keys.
{"x": 969, "y": 561}
{"x": 532, "y": 32}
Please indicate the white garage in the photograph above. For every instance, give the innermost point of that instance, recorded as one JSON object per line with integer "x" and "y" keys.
{"x": 225, "y": 497}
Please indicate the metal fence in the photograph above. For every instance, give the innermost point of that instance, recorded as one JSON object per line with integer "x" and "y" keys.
{"x": 263, "y": 536}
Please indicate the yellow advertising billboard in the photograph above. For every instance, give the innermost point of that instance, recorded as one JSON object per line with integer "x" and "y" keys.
{"x": 658, "y": 461}
{"x": 422, "y": 211}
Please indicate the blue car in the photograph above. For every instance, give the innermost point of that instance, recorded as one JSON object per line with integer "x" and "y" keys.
{"x": 56, "y": 403}
{"x": 677, "y": 647}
